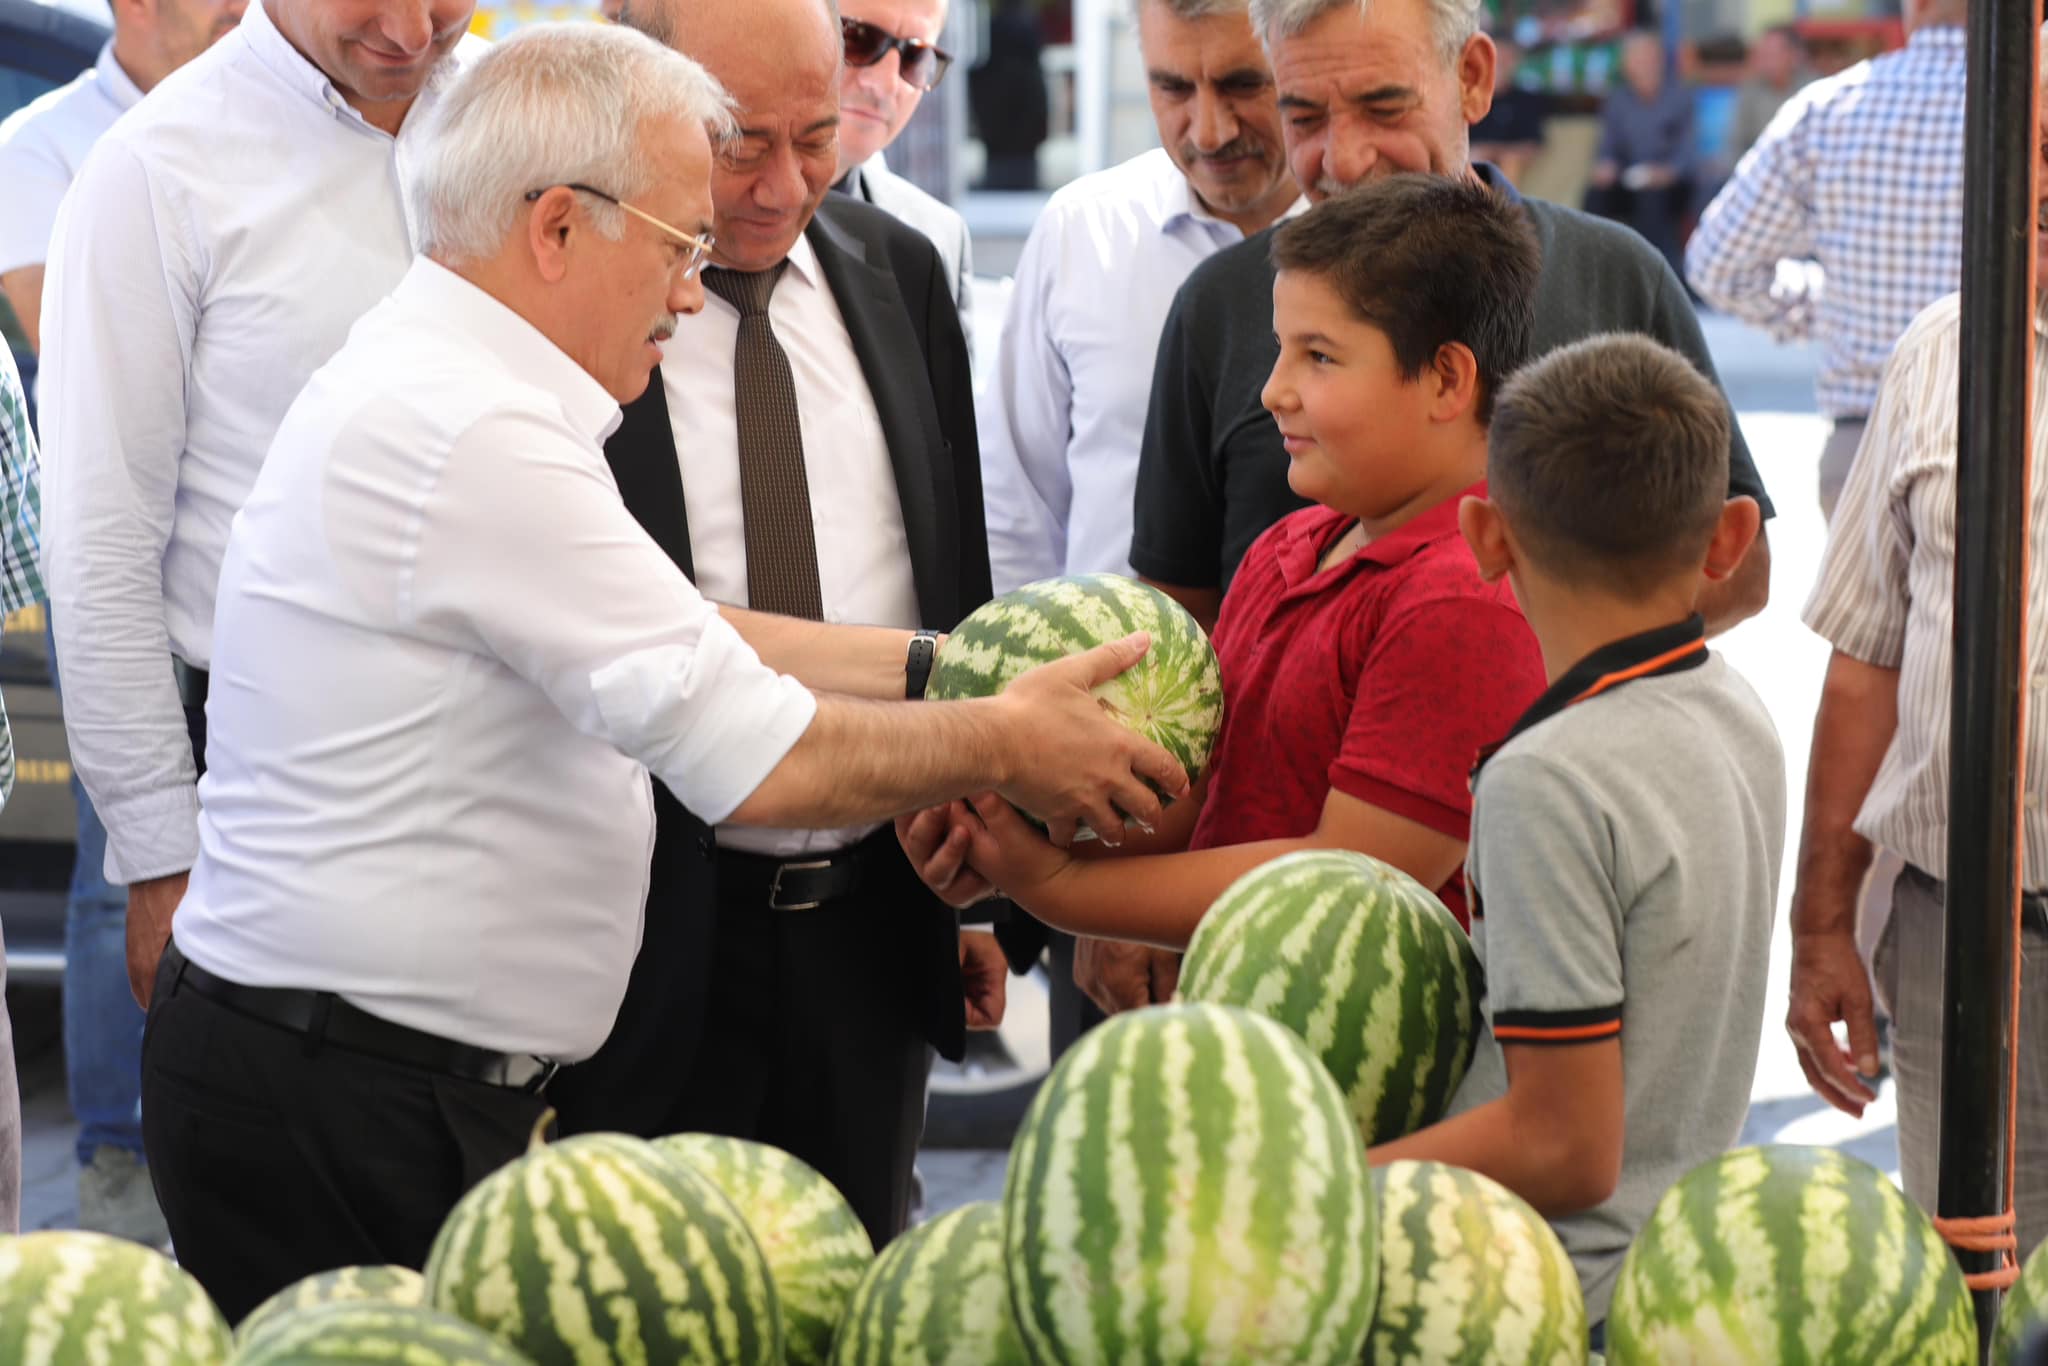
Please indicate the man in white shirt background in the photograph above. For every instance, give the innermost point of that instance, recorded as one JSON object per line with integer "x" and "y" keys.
{"x": 809, "y": 450}
{"x": 213, "y": 251}
{"x": 891, "y": 61}
{"x": 42, "y": 145}
{"x": 1063, "y": 413}
{"x": 447, "y": 659}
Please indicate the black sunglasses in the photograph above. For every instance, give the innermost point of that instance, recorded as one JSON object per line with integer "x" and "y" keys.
{"x": 920, "y": 63}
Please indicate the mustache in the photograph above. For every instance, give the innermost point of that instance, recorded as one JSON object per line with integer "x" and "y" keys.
{"x": 1236, "y": 147}
{"x": 663, "y": 330}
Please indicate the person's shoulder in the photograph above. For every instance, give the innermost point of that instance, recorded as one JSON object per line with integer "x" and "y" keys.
{"x": 1145, "y": 181}
{"x": 1575, "y": 236}
{"x": 1228, "y": 280}
{"x": 872, "y": 226}
{"x": 912, "y": 202}
{"x": 45, "y": 119}
{"x": 1937, "y": 327}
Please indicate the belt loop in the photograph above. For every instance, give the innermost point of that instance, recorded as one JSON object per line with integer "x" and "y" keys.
{"x": 316, "y": 1028}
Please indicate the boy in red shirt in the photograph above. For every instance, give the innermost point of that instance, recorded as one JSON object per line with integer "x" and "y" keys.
{"x": 1364, "y": 660}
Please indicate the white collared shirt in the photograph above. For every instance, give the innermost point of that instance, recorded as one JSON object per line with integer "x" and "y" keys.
{"x": 446, "y": 657}
{"x": 1063, "y": 414}
{"x": 42, "y": 145}
{"x": 213, "y": 252}
{"x": 864, "y": 574}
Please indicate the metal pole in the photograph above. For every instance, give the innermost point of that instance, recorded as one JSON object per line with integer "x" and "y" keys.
{"x": 1993, "y": 450}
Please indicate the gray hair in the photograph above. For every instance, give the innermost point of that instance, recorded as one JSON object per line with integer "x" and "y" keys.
{"x": 554, "y": 103}
{"x": 1190, "y": 10}
{"x": 1452, "y": 21}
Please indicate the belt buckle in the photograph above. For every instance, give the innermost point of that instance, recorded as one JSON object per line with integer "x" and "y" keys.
{"x": 519, "y": 1078}
{"x": 775, "y": 901}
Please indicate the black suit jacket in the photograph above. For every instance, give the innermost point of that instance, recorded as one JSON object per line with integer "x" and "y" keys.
{"x": 892, "y": 290}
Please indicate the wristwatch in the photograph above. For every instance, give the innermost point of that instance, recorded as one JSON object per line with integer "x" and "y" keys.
{"x": 917, "y": 663}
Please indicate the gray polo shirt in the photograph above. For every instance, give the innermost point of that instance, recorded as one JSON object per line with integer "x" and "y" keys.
{"x": 1624, "y": 873}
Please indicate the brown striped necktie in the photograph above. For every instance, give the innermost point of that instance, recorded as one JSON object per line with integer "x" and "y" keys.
{"x": 775, "y": 494}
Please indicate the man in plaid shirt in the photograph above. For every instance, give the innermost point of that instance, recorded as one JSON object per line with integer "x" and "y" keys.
{"x": 21, "y": 583}
{"x": 1846, "y": 219}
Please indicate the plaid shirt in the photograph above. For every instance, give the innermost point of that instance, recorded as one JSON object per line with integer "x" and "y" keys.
{"x": 21, "y": 520}
{"x": 1846, "y": 218}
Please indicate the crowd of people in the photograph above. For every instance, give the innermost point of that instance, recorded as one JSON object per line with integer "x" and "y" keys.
{"x": 500, "y": 505}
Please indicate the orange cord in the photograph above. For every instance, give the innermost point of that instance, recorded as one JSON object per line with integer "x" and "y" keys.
{"x": 1986, "y": 1233}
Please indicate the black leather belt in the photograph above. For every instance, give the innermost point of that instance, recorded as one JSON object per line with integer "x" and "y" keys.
{"x": 191, "y": 683}
{"x": 2033, "y": 905}
{"x": 325, "y": 1018}
{"x": 801, "y": 884}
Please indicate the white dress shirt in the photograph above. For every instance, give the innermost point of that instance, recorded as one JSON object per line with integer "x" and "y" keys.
{"x": 864, "y": 574}
{"x": 446, "y": 657}
{"x": 1063, "y": 414}
{"x": 213, "y": 251}
{"x": 42, "y": 145}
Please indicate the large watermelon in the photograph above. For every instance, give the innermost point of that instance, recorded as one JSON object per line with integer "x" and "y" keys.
{"x": 816, "y": 1248}
{"x": 1363, "y": 962}
{"x": 1784, "y": 1256}
{"x": 935, "y": 1297}
{"x": 598, "y": 1249}
{"x": 362, "y": 1332}
{"x": 70, "y": 1297}
{"x": 1174, "y": 695}
{"x": 2025, "y": 1314}
{"x": 346, "y": 1285}
{"x": 1188, "y": 1187}
{"x": 1470, "y": 1274}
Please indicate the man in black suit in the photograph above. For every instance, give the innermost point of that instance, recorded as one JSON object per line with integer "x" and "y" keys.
{"x": 809, "y": 450}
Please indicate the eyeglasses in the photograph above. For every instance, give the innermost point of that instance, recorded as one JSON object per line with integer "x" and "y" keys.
{"x": 921, "y": 64}
{"x": 696, "y": 246}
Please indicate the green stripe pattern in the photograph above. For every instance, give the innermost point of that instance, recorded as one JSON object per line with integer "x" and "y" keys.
{"x": 936, "y": 1297}
{"x": 366, "y": 1333}
{"x": 69, "y": 1298}
{"x": 2025, "y": 1314}
{"x": 1789, "y": 1256}
{"x": 1188, "y": 1187}
{"x": 600, "y": 1249}
{"x": 346, "y": 1285}
{"x": 1174, "y": 695}
{"x": 1470, "y": 1274}
{"x": 816, "y": 1248}
{"x": 1364, "y": 963}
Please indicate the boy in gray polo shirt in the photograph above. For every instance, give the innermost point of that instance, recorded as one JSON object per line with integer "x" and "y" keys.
{"x": 1626, "y": 835}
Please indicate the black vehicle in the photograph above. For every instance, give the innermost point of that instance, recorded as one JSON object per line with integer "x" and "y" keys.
{"x": 41, "y": 48}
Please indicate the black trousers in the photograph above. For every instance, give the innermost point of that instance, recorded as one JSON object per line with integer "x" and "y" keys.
{"x": 273, "y": 1160}
{"x": 812, "y": 1042}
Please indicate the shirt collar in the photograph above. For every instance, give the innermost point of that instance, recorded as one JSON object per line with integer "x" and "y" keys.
{"x": 1313, "y": 538}
{"x": 1490, "y": 176}
{"x": 433, "y": 290}
{"x": 1663, "y": 650}
{"x": 120, "y": 87}
{"x": 1178, "y": 204}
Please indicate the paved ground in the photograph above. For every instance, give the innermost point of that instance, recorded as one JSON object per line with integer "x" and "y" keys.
{"x": 1772, "y": 389}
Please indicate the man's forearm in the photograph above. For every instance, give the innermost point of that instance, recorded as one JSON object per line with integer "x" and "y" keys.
{"x": 1853, "y": 729}
{"x": 853, "y": 661}
{"x": 863, "y": 760}
{"x": 1530, "y": 1160}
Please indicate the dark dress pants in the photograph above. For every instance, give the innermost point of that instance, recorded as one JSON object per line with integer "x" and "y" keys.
{"x": 273, "y": 1160}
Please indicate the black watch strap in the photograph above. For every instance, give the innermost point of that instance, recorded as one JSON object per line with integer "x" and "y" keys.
{"x": 917, "y": 663}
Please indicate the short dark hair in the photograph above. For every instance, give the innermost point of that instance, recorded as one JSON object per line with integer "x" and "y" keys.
{"x": 1609, "y": 460}
{"x": 1428, "y": 260}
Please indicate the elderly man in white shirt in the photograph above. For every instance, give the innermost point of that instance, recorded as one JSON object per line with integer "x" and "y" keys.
{"x": 447, "y": 658}
{"x": 1063, "y": 414}
{"x": 215, "y": 249}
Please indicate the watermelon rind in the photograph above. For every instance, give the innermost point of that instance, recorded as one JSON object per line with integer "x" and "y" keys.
{"x": 69, "y": 1296}
{"x": 344, "y": 1285}
{"x": 936, "y": 1296}
{"x": 1364, "y": 963}
{"x": 816, "y": 1247}
{"x": 2024, "y": 1316}
{"x": 1188, "y": 1187}
{"x": 366, "y": 1332}
{"x": 1789, "y": 1256}
{"x": 599, "y": 1248}
{"x": 1469, "y": 1273}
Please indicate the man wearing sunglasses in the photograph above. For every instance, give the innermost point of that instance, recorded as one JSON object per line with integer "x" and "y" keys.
{"x": 807, "y": 449}
{"x": 892, "y": 59}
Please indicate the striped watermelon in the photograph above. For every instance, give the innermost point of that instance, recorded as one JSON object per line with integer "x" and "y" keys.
{"x": 816, "y": 1248}
{"x": 1789, "y": 1255}
{"x": 363, "y": 1331}
{"x": 1363, "y": 962}
{"x": 2025, "y": 1315}
{"x": 1188, "y": 1187}
{"x": 1174, "y": 695}
{"x": 935, "y": 1297}
{"x": 1470, "y": 1274}
{"x": 347, "y": 1285}
{"x": 598, "y": 1249}
{"x": 68, "y": 1296}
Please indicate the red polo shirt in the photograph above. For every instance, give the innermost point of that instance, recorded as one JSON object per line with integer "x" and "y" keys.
{"x": 1380, "y": 677}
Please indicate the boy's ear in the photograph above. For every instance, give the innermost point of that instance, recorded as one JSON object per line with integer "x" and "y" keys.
{"x": 1486, "y": 532}
{"x": 1455, "y": 372}
{"x": 1736, "y": 531}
